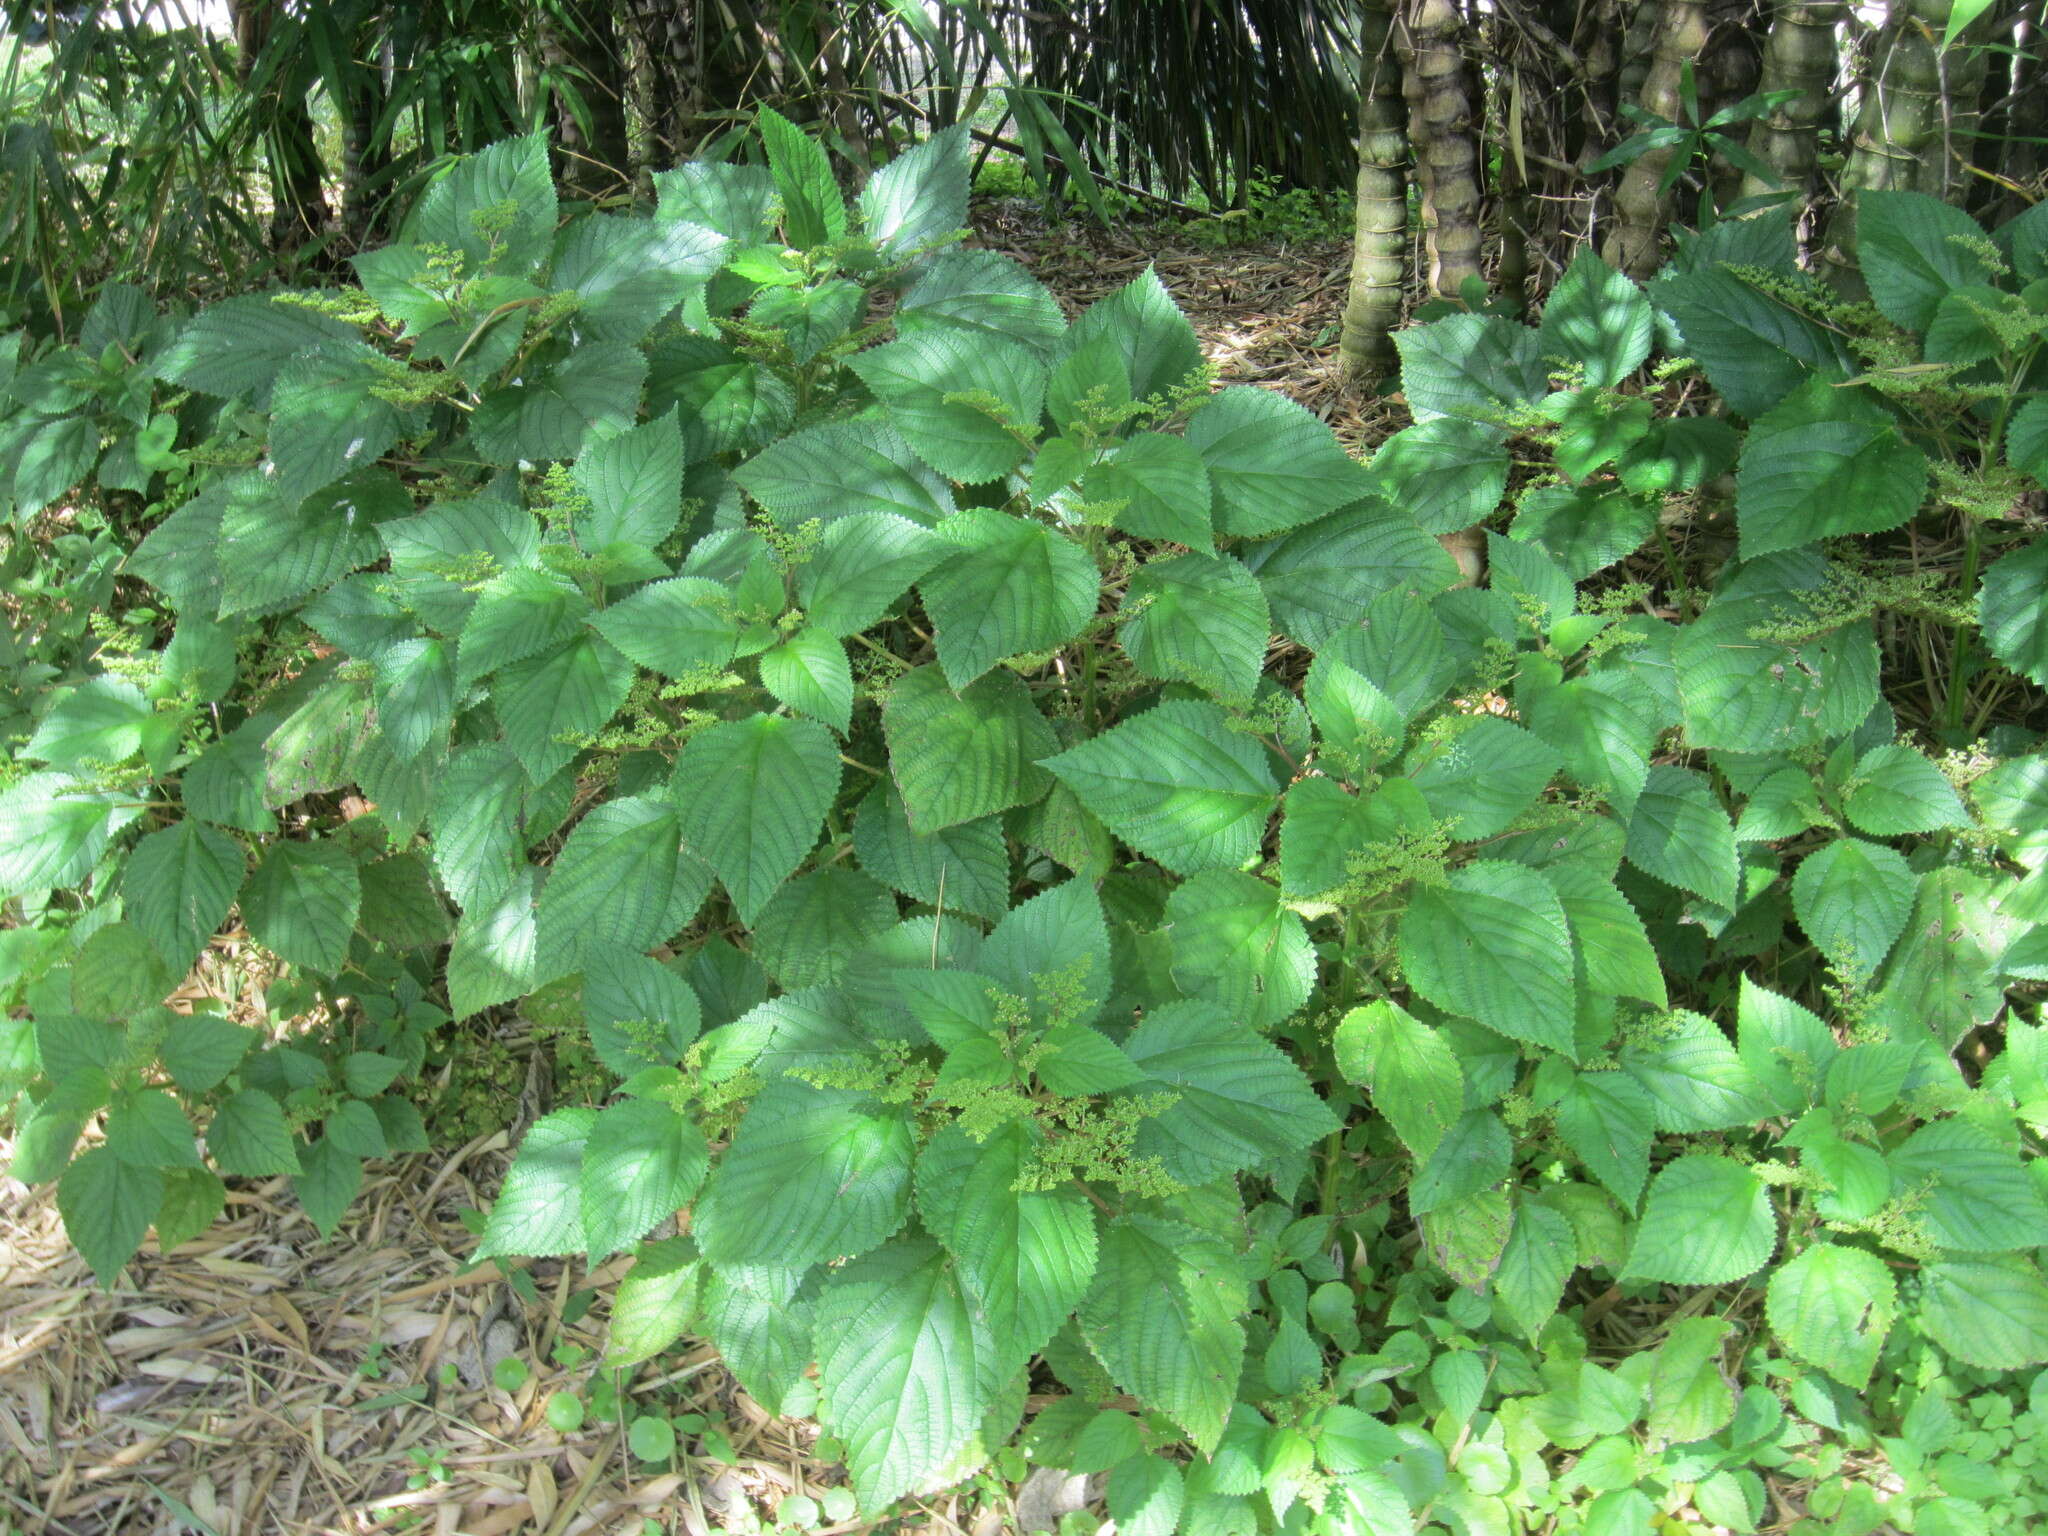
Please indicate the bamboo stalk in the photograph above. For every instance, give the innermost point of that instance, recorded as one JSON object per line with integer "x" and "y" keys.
{"x": 1379, "y": 248}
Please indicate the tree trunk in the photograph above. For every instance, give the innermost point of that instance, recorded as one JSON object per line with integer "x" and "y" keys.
{"x": 581, "y": 50}
{"x": 1379, "y": 248}
{"x": 1640, "y": 211}
{"x": 1445, "y": 136}
{"x": 1897, "y": 124}
{"x": 1799, "y": 56}
{"x": 1962, "y": 67}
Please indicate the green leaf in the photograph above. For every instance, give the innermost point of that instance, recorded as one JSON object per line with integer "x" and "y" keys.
{"x": 593, "y": 392}
{"x": 1832, "y": 1306}
{"x": 1161, "y": 1318}
{"x": 1474, "y": 367}
{"x": 301, "y": 904}
{"x": 1708, "y": 1221}
{"x": 414, "y": 688}
{"x": 1446, "y": 474}
{"x": 1240, "y": 1101}
{"x": 466, "y": 208}
{"x": 1145, "y": 1495}
{"x": 678, "y": 628}
{"x": 1158, "y": 488}
{"x": 813, "y": 213}
{"x": 193, "y": 1199}
{"x": 1493, "y": 945}
{"x": 1942, "y": 977}
{"x": 1822, "y": 463}
{"x": 1690, "y": 1398}
{"x": 733, "y": 199}
{"x": 982, "y": 292}
{"x": 1410, "y": 1068}
{"x": 59, "y": 455}
{"x": 1272, "y": 464}
{"x": 517, "y": 614}
{"x": 199, "y": 1050}
{"x": 628, "y": 272}
{"x": 1177, "y": 784}
{"x": 1786, "y": 1048}
{"x": 2013, "y": 610}
{"x": 639, "y": 1012}
{"x": 1602, "y": 733}
{"x": 1853, "y": 899}
{"x": 1236, "y": 945}
{"x": 147, "y": 1128}
{"x": 52, "y": 831}
{"x": 635, "y": 485}
{"x": 1695, "y": 1078}
{"x": 107, "y": 1206}
{"x": 907, "y": 1367}
{"x": 961, "y": 401}
{"x": 1540, "y": 1256}
{"x": 1990, "y": 1312}
{"x": 812, "y": 1174}
{"x": 550, "y": 704}
{"x": 1481, "y": 777}
{"x": 179, "y": 885}
{"x": 809, "y": 673}
{"x": 1014, "y": 586}
{"x": 238, "y": 346}
{"x": 845, "y": 469}
{"x": 1598, "y": 318}
{"x": 962, "y": 868}
{"x": 1913, "y": 250}
{"x": 959, "y": 757}
{"x": 641, "y": 1164}
{"x": 1360, "y": 726}
{"x": 327, "y": 419}
{"x": 249, "y": 1137}
{"x": 654, "y": 1303}
{"x": 1611, "y": 942}
{"x": 1318, "y": 578}
{"x": 100, "y": 721}
{"x": 1979, "y": 1196}
{"x": 1025, "y": 1255}
{"x": 477, "y": 842}
{"x": 812, "y": 928}
{"x": 761, "y": 1321}
{"x": 1053, "y": 951}
{"x": 864, "y": 562}
{"x": 540, "y": 1209}
{"x": 754, "y": 793}
{"x": 494, "y": 955}
{"x": 1679, "y": 834}
{"x": 920, "y": 196}
{"x": 1474, "y": 1154}
{"x": 1142, "y": 324}
{"x": 1197, "y": 619}
{"x": 328, "y": 1180}
{"x": 432, "y": 553}
{"x": 621, "y": 881}
{"x": 1756, "y": 347}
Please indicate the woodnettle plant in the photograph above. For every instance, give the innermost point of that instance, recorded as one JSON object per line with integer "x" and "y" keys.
{"x": 1075, "y": 894}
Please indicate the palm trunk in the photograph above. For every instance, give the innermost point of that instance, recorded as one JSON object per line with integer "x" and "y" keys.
{"x": 1897, "y": 124}
{"x": 1640, "y": 211}
{"x": 1379, "y": 248}
{"x": 1800, "y": 56}
{"x": 581, "y": 47}
{"x": 1445, "y": 136}
{"x": 1639, "y": 46}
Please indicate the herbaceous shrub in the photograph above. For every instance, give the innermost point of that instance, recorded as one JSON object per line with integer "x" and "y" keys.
{"x": 1068, "y": 884}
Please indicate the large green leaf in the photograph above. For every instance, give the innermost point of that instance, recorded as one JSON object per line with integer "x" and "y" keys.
{"x": 1607, "y": 1119}
{"x": 1410, "y": 1068}
{"x": 1596, "y": 317}
{"x": 1756, "y": 348}
{"x": 327, "y": 417}
{"x": 179, "y": 885}
{"x": 812, "y": 928}
{"x": 1446, "y": 473}
{"x": 1475, "y": 367}
{"x": 1913, "y": 251}
{"x": 1157, "y": 488}
{"x": 1493, "y": 944}
{"x": 812, "y": 1174}
{"x": 1141, "y": 323}
{"x": 2013, "y": 610}
{"x": 864, "y": 562}
{"x": 1235, "y": 944}
{"x": 1162, "y": 1318}
{"x": 1177, "y": 784}
{"x": 961, "y": 868}
{"x": 495, "y": 954}
{"x": 1833, "y": 1306}
{"x": 982, "y": 292}
{"x": 1318, "y": 578}
{"x": 238, "y": 346}
{"x": 1197, "y": 619}
{"x": 958, "y": 757}
{"x": 810, "y": 674}
{"x": 540, "y": 1209}
{"x": 1978, "y": 1196}
{"x": 102, "y": 720}
{"x": 628, "y": 272}
{"x": 1608, "y": 934}
{"x": 1541, "y": 1253}
{"x": 1990, "y": 1312}
{"x": 301, "y": 904}
{"x": 621, "y": 880}
{"x": 518, "y": 613}
{"x": 920, "y": 196}
{"x": 1272, "y": 464}
{"x": 813, "y": 212}
{"x": 275, "y": 547}
{"x": 1013, "y": 586}
{"x": 1240, "y": 1101}
{"x": 551, "y": 704}
{"x": 1822, "y": 463}
{"x": 845, "y": 469}
{"x": 907, "y": 1366}
{"x": 754, "y": 793}
{"x": 107, "y": 1205}
{"x": 679, "y": 627}
{"x": 1025, "y": 1255}
{"x": 592, "y": 392}
{"x": 1853, "y": 899}
{"x": 1481, "y": 776}
{"x": 635, "y": 485}
{"x": 961, "y": 401}
{"x": 249, "y": 1136}
{"x": 1696, "y": 1079}
{"x": 466, "y": 208}
{"x": 1708, "y": 1221}
{"x": 641, "y": 1164}
{"x": 1679, "y": 833}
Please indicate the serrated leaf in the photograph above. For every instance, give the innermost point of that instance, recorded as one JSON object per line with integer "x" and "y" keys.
{"x": 864, "y": 562}
{"x": 1690, "y": 1396}
{"x": 53, "y": 829}
{"x": 1483, "y": 776}
{"x": 1014, "y": 586}
{"x": 845, "y": 469}
{"x": 762, "y": 1320}
{"x": 1410, "y": 1068}
{"x": 813, "y": 212}
{"x": 961, "y": 868}
{"x": 494, "y": 956}
{"x": 1832, "y": 1306}
{"x": 1319, "y": 578}
{"x": 1475, "y": 367}
{"x": 628, "y": 272}
{"x": 1240, "y": 1101}
{"x": 1596, "y": 317}
{"x": 1026, "y": 1256}
{"x": 1979, "y": 1196}
{"x": 1157, "y": 487}
{"x": 1053, "y": 951}
{"x": 237, "y": 347}
{"x": 639, "y": 1012}
{"x": 635, "y": 485}
{"x": 641, "y": 1164}
{"x": 1272, "y": 465}
{"x": 466, "y": 207}
{"x": 1913, "y": 250}
{"x": 549, "y": 705}
{"x": 1540, "y": 1255}
{"x": 477, "y": 840}
{"x": 199, "y": 1050}
{"x": 1708, "y": 1221}
{"x": 1474, "y": 1155}
{"x": 621, "y": 881}
{"x": 1696, "y": 1080}
{"x": 809, "y": 673}
{"x": 249, "y": 1136}
{"x": 1989, "y": 1312}
{"x": 327, "y": 419}
{"x": 959, "y": 757}
{"x": 1822, "y": 463}
{"x": 301, "y": 904}
{"x": 1236, "y": 945}
{"x": 907, "y": 1366}
{"x": 982, "y": 292}
{"x": 811, "y": 929}
{"x": 2013, "y": 610}
{"x": 1853, "y": 899}
{"x": 517, "y": 614}
{"x": 959, "y": 400}
{"x": 592, "y": 392}
{"x": 754, "y": 793}
{"x": 812, "y": 1174}
{"x": 1446, "y": 474}
{"x": 1177, "y": 784}
{"x": 678, "y": 627}
{"x": 100, "y": 721}
{"x": 107, "y": 1206}
{"x": 328, "y": 1180}
{"x": 1162, "y": 1318}
{"x": 540, "y": 1209}
{"x": 1494, "y": 945}
{"x": 656, "y": 1300}
{"x": 1756, "y": 346}
{"x": 414, "y": 689}
{"x": 179, "y": 885}
{"x": 1197, "y": 619}
{"x": 919, "y": 196}
{"x": 1679, "y": 834}
{"x": 1143, "y": 326}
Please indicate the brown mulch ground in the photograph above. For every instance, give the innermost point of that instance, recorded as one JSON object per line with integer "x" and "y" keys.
{"x": 245, "y": 1383}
